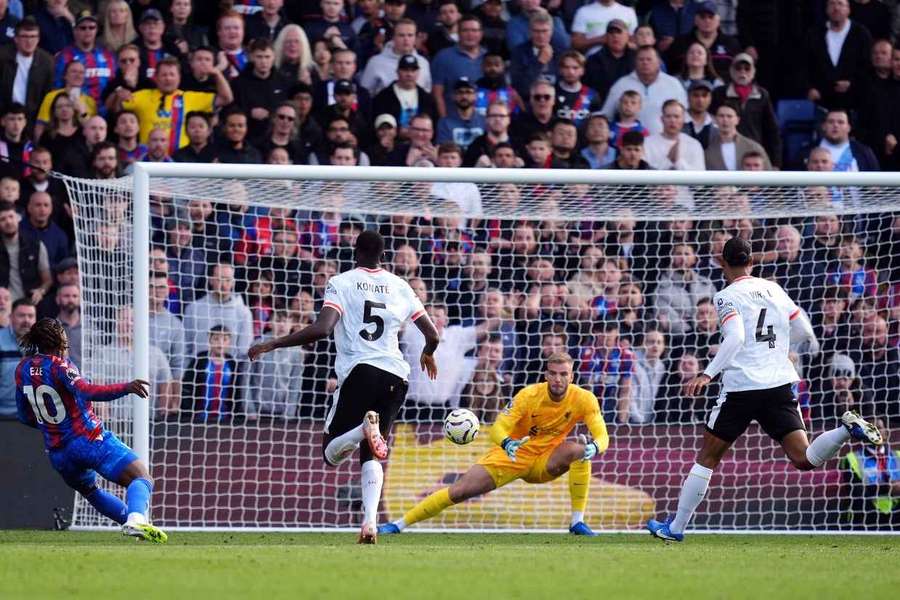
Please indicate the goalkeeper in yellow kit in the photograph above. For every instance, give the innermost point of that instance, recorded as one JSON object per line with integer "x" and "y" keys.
{"x": 531, "y": 445}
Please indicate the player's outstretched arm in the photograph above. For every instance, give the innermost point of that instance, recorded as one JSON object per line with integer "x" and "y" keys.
{"x": 802, "y": 331}
{"x": 321, "y": 329}
{"x": 432, "y": 339}
{"x": 733, "y": 338}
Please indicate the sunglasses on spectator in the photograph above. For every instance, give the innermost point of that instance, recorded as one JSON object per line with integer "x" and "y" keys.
{"x": 542, "y": 97}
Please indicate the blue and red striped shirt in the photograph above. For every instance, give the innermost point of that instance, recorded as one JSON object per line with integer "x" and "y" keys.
{"x": 51, "y": 395}
{"x": 99, "y": 69}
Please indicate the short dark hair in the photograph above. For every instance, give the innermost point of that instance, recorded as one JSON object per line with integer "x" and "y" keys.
{"x": 7, "y": 206}
{"x": 219, "y": 329}
{"x": 259, "y": 44}
{"x": 29, "y": 23}
{"x": 732, "y": 104}
{"x": 449, "y": 148}
{"x": 23, "y": 301}
{"x": 199, "y": 114}
{"x": 633, "y": 138}
{"x": 737, "y": 252}
{"x": 369, "y": 246}
{"x": 15, "y": 108}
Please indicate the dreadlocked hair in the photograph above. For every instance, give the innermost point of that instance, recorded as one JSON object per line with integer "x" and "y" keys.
{"x": 45, "y": 337}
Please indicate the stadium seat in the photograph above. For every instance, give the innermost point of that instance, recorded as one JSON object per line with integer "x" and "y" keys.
{"x": 798, "y": 120}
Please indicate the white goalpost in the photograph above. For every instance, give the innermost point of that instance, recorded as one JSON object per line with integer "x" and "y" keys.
{"x": 183, "y": 265}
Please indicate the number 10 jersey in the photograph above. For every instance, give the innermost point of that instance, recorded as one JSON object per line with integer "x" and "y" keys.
{"x": 374, "y": 305}
{"x": 765, "y": 311}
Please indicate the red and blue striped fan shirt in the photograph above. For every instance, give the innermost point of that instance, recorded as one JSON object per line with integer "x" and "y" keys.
{"x": 51, "y": 395}
{"x": 99, "y": 69}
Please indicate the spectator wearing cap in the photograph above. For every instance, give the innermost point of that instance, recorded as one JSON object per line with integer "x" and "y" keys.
{"x": 464, "y": 125}
{"x": 597, "y": 150}
{"x": 404, "y": 98}
{"x": 7, "y": 25}
{"x": 381, "y": 69}
{"x": 55, "y": 21}
{"x": 631, "y": 155}
{"x": 671, "y": 19}
{"x": 331, "y": 26}
{"x": 699, "y": 124}
{"x": 232, "y": 58}
{"x": 564, "y": 145}
{"x": 167, "y": 105}
{"x": 722, "y": 48}
{"x": 727, "y": 148}
{"x": 758, "y": 120}
{"x": 496, "y": 132}
{"x": 462, "y": 60}
{"x": 259, "y": 88}
{"x": 343, "y": 66}
{"x": 836, "y": 65}
{"x": 445, "y": 32}
{"x": 26, "y": 71}
{"x": 38, "y": 225}
{"x": 846, "y": 154}
{"x": 654, "y": 86}
{"x": 99, "y": 63}
{"x": 538, "y": 117}
{"x": 536, "y": 59}
{"x": 346, "y": 107}
{"x": 612, "y": 61}
{"x": 152, "y": 42}
{"x": 385, "y": 139}
{"x": 671, "y": 149}
{"x": 517, "y": 30}
{"x": 589, "y": 25}
{"x": 266, "y": 23}
{"x": 421, "y": 133}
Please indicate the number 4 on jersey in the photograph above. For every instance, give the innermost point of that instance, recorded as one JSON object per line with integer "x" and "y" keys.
{"x": 769, "y": 336}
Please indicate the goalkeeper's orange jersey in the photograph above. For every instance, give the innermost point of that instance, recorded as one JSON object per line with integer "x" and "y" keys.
{"x": 532, "y": 413}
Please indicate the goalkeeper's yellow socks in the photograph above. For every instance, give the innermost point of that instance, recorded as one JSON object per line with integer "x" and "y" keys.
{"x": 579, "y": 484}
{"x": 427, "y": 508}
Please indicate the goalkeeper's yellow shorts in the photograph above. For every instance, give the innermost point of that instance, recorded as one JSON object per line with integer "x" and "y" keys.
{"x": 503, "y": 470}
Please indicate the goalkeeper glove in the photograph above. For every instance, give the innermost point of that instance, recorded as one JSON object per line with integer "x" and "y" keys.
{"x": 511, "y": 446}
{"x": 590, "y": 448}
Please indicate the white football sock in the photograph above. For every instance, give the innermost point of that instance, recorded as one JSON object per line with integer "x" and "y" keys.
{"x": 340, "y": 448}
{"x": 372, "y": 476}
{"x": 692, "y": 492}
{"x": 826, "y": 446}
{"x": 400, "y": 523}
{"x": 577, "y": 517}
{"x": 136, "y": 518}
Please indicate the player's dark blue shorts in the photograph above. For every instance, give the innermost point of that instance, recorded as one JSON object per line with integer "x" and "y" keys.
{"x": 81, "y": 459}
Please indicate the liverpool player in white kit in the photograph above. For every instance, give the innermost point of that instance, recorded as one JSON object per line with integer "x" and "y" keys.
{"x": 365, "y": 307}
{"x": 756, "y": 320}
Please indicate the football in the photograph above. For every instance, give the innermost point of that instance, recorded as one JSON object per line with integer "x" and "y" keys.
{"x": 461, "y": 426}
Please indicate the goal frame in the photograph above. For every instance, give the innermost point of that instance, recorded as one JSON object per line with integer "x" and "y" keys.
{"x": 143, "y": 174}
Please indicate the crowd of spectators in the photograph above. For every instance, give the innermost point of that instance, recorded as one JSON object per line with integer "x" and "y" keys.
{"x": 89, "y": 88}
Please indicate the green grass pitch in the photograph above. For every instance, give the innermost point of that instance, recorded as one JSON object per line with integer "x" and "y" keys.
{"x": 210, "y": 566}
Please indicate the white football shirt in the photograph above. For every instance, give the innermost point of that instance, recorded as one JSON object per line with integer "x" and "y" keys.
{"x": 766, "y": 312}
{"x": 374, "y": 305}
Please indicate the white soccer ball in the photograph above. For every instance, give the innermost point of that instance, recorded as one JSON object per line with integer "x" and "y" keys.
{"x": 461, "y": 426}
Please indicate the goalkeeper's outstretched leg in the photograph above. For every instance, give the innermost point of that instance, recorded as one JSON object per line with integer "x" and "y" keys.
{"x": 483, "y": 478}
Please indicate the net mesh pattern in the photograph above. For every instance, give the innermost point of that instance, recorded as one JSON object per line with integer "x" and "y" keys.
{"x": 620, "y": 276}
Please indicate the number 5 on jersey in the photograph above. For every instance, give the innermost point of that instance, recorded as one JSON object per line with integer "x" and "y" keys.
{"x": 369, "y": 318}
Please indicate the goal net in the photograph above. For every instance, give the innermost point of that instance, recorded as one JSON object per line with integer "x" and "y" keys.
{"x": 618, "y": 269}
